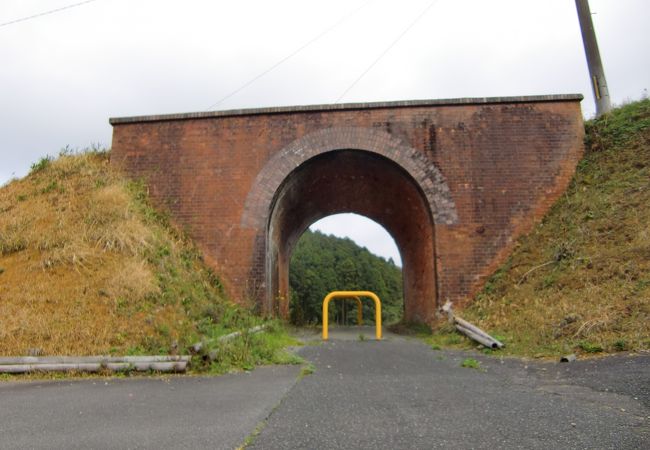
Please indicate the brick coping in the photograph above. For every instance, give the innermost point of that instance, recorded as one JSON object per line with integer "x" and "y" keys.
{"x": 347, "y": 106}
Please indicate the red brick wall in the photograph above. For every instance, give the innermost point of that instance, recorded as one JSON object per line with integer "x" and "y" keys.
{"x": 485, "y": 171}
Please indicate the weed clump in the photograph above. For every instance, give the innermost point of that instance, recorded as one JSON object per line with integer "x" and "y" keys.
{"x": 471, "y": 363}
{"x": 40, "y": 165}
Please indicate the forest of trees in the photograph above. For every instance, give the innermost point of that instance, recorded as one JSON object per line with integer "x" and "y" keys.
{"x": 321, "y": 264}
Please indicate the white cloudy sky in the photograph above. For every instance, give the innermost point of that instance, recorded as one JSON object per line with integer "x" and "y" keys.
{"x": 63, "y": 75}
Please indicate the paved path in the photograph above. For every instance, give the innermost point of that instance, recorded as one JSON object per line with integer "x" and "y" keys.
{"x": 397, "y": 394}
{"x": 363, "y": 394}
{"x": 172, "y": 413}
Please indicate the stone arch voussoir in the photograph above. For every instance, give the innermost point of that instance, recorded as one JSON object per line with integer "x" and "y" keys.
{"x": 280, "y": 166}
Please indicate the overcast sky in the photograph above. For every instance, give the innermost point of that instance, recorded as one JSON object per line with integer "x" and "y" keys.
{"x": 63, "y": 75}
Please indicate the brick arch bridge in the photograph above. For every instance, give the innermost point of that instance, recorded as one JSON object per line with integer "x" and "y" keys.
{"x": 453, "y": 181}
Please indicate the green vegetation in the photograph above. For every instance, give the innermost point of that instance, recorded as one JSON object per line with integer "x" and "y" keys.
{"x": 249, "y": 350}
{"x": 445, "y": 336}
{"x": 90, "y": 267}
{"x": 307, "y": 370}
{"x": 589, "y": 347}
{"x": 321, "y": 264}
{"x": 471, "y": 363}
{"x": 41, "y": 164}
{"x": 250, "y": 439}
{"x": 580, "y": 281}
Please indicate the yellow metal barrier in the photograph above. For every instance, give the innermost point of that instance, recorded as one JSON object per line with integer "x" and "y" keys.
{"x": 357, "y": 295}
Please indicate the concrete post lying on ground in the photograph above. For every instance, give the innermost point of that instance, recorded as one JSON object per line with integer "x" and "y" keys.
{"x": 158, "y": 363}
{"x": 4, "y": 360}
{"x": 469, "y": 330}
{"x": 24, "y": 364}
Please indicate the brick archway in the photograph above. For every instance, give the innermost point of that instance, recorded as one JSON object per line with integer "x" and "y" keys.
{"x": 358, "y": 170}
{"x": 220, "y": 174}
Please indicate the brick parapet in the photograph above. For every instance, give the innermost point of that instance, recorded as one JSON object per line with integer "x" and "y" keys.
{"x": 347, "y": 107}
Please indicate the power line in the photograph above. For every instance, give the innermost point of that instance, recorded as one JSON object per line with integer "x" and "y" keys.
{"x": 45, "y": 13}
{"x": 392, "y": 44}
{"x": 294, "y": 53}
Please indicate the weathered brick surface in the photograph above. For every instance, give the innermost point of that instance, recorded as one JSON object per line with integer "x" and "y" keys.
{"x": 454, "y": 182}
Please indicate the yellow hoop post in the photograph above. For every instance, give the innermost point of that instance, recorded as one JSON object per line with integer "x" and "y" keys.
{"x": 357, "y": 294}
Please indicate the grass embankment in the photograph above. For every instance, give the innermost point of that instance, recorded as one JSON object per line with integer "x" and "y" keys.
{"x": 88, "y": 267}
{"x": 580, "y": 282}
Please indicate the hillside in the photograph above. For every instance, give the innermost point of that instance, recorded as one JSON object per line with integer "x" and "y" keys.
{"x": 324, "y": 263}
{"x": 88, "y": 267}
{"x": 580, "y": 282}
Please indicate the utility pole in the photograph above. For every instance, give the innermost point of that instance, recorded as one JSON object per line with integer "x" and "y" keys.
{"x": 596, "y": 71}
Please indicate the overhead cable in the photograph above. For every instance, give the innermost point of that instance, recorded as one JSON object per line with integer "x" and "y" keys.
{"x": 392, "y": 44}
{"x": 45, "y": 13}
{"x": 289, "y": 56}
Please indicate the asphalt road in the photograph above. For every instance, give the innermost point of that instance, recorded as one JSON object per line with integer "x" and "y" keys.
{"x": 363, "y": 394}
{"x": 398, "y": 394}
{"x": 167, "y": 413}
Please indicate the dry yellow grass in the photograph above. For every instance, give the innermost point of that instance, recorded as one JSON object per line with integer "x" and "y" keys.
{"x": 85, "y": 268}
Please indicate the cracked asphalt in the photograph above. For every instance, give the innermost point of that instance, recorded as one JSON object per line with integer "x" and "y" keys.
{"x": 392, "y": 394}
{"x": 399, "y": 394}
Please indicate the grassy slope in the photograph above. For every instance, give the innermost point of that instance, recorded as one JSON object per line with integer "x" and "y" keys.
{"x": 87, "y": 267}
{"x": 581, "y": 280}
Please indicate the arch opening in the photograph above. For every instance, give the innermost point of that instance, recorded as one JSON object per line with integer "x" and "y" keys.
{"x": 363, "y": 231}
{"x": 345, "y": 252}
{"x": 365, "y": 183}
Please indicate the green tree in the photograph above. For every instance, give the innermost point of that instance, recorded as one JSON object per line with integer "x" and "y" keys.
{"x": 321, "y": 264}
